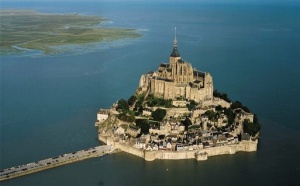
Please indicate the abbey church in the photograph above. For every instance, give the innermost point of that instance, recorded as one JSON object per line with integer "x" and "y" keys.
{"x": 177, "y": 79}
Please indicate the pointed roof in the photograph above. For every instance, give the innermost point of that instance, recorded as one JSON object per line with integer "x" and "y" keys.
{"x": 175, "y": 52}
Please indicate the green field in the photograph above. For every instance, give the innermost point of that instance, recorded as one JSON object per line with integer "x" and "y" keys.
{"x": 40, "y": 31}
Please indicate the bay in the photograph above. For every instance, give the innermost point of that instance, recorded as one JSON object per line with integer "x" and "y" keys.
{"x": 49, "y": 103}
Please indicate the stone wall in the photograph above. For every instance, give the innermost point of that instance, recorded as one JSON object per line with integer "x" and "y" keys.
{"x": 178, "y": 111}
{"x": 245, "y": 146}
{"x": 129, "y": 149}
{"x": 175, "y": 155}
{"x": 203, "y": 154}
{"x": 219, "y": 101}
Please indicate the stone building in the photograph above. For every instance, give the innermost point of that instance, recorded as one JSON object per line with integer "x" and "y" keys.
{"x": 177, "y": 79}
{"x": 133, "y": 130}
{"x": 102, "y": 115}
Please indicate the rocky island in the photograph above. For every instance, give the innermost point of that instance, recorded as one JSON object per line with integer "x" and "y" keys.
{"x": 175, "y": 113}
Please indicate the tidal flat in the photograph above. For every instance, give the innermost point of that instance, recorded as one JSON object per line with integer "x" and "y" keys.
{"x": 27, "y": 29}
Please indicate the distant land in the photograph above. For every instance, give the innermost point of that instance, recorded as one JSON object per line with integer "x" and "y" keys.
{"x": 28, "y": 29}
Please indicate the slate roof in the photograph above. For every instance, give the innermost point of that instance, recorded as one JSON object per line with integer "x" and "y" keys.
{"x": 198, "y": 73}
{"x": 245, "y": 136}
{"x": 164, "y": 65}
{"x": 169, "y": 70}
{"x": 175, "y": 52}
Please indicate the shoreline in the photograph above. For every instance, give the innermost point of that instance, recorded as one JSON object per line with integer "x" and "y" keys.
{"x": 64, "y": 31}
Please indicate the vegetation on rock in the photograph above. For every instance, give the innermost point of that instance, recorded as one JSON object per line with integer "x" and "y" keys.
{"x": 153, "y": 101}
{"x": 187, "y": 122}
{"x": 123, "y": 105}
{"x": 159, "y": 114}
{"x": 191, "y": 105}
{"x": 144, "y": 125}
{"x": 223, "y": 96}
{"x": 237, "y": 104}
{"x": 252, "y": 128}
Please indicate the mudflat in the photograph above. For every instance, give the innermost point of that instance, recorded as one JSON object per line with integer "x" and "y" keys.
{"x": 40, "y": 31}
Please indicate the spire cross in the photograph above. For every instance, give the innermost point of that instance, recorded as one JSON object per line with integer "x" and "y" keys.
{"x": 175, "y": 34}
{"x": 175, "y": 40}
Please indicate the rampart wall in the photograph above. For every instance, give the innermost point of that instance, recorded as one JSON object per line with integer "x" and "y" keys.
{"x": 200, "y": 154}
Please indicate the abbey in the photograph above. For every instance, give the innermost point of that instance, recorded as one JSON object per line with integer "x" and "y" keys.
{"x": 177, "y": 79}
{"x": 178, "y": 128}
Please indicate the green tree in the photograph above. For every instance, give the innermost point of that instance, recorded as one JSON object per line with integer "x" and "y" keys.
{"x": 187, "y": 122}
{"x": 251, "y": 128}
{"x": 219, "y": 108}
{"x": 211, "y": 114}
{"x": 131, "y": 100}
{"x": 139, "y": 105}
{"x": 238, "y": 104}
{"x": 123, "y": 105}
{"x": 127, "y": 117}
{"x": 223, "y": 96}
{"x": 144, "y": 125}
{"x": 159, "y": 114}
{"x": 155, "y": 101}
{"x": 168, "y": 103}
{"x": 192, "y": 105}
{"x": 230, "y": 115}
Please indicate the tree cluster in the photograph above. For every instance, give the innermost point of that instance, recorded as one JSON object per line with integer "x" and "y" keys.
{"x": 139, "y": 104}
{"x": 187, "y": 122}
{"x": 227, "y": 111}
{"x": 251, "y": 128}
{"x": 144, "y": 125}
{"x": 123, "y": 105}
{"x": 131, "y": 100}
{"x": 192, "y": 105}
{"x": 126, "y": 114}
{"x": 126, "y": 117}
{"x": 237, "y": 105}
{"x": 230, "y": 115}
{"x": 213, "y": 116}
{"x": 223, "y": 96}
{"x": 159, "y": 114}
{"x": 159, "y": 102}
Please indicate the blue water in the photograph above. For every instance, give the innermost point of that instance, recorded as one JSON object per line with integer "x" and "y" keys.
{"x": 49, "y": 103}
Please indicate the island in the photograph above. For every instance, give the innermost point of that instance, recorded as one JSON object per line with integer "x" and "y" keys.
{"x": 175, "y": 113}
{"x": 23, "y": 30}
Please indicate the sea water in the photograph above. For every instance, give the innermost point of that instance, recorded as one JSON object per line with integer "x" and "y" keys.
{"x": 49, "y": 103}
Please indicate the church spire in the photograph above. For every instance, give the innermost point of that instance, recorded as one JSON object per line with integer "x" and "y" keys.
{"x": 175, "y": 40}
{"x": 175, "y": 52}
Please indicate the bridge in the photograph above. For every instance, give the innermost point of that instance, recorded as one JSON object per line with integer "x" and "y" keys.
{"x": 56, "y": 161}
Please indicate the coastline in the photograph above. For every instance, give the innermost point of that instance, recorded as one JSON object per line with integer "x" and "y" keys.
{"x": 64, "y": 31}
